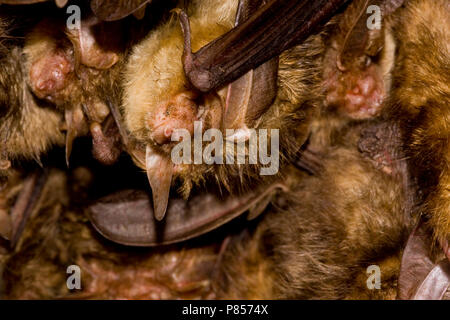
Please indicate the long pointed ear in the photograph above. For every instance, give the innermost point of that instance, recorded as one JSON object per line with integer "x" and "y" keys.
{"x": 127, "y": 217}
{"x": 275, "y": 27}
{"x": 360, "y": 40}
{"x": 249, "y": 96}
{"x": 111, "y": 10}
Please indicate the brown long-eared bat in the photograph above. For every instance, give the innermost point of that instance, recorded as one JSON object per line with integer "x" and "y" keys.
{"x": 159, "y": 99}
{"x": 287, "y": 100}
{"x": 324, "y": 228}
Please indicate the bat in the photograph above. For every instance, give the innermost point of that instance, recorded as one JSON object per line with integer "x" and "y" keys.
{"x": 140, "y": 118}
{"x": 421, "y": 108}
{"x": 27, "y": 129}
{"x": 314, "y": 206}
{"x": 151, "y": 112}
{"x": 359, "y": 62}
{"x": 116, "y": 10}
{"x": 379, "y": 73}
{"x": 74, "y": 70}
{"x": 334, "y": 219}
{"x": 30, "y": 126}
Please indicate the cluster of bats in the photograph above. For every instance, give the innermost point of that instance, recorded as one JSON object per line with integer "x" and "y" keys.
{"x": 363, "y": 115}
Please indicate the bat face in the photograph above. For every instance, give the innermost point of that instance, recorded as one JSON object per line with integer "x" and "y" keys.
{"x": 77, "y": 71}
{"x": 158, "y": 101}
{"x": 359, "y": 61}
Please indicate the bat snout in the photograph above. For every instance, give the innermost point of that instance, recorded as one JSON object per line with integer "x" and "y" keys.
{"x": 180, "y": 112}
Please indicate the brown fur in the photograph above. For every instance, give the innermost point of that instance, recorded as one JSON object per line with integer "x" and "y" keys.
{"x": 318, "y": 240}
{"x": 314, "y": 242}
{"x": 59, "y": 235}
{"x": 26, "y": 129}
{"x": 155, "y": 73}
{"x": 421, "y": 102}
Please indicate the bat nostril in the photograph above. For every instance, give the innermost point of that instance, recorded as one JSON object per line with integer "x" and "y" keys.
{"x": 168, "y": 132}
{"x": 162, "y": 134}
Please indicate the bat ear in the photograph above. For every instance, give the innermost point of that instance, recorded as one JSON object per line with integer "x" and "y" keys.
{"x": 185, "y": 219}
{"x": 89, "y": 44}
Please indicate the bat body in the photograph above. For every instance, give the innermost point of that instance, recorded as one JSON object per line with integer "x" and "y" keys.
{"x": 27, "y": 129}
{"x": 272, "y": 258}
{"x": 318, "y": 241}
{"x": 420, "y": 103}
{"x": 76, "y": 71}
{"x": 158, "y": 99}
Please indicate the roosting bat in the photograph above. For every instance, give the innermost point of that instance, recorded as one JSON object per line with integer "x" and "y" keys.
{"x": 318, "y": 240}
{"x": 275, "y": 253}
{"x": 29, "y": 127}
{"x": 416, "y": 99}
{"x": 152, "y": 112}
{"x": 420, "y": 104}
{"x": 158, "y": 99}
{"x": 26, "y": 129}
{"x": 381, "y": 82}
{"x": 352, "y": 206}
{"x": 77, "y": 70}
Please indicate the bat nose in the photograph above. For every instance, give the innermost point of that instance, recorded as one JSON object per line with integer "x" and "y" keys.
{"x": 179, "y": 112}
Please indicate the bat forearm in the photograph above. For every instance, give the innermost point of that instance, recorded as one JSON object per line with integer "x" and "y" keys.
{"x": 275, "y": 27}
